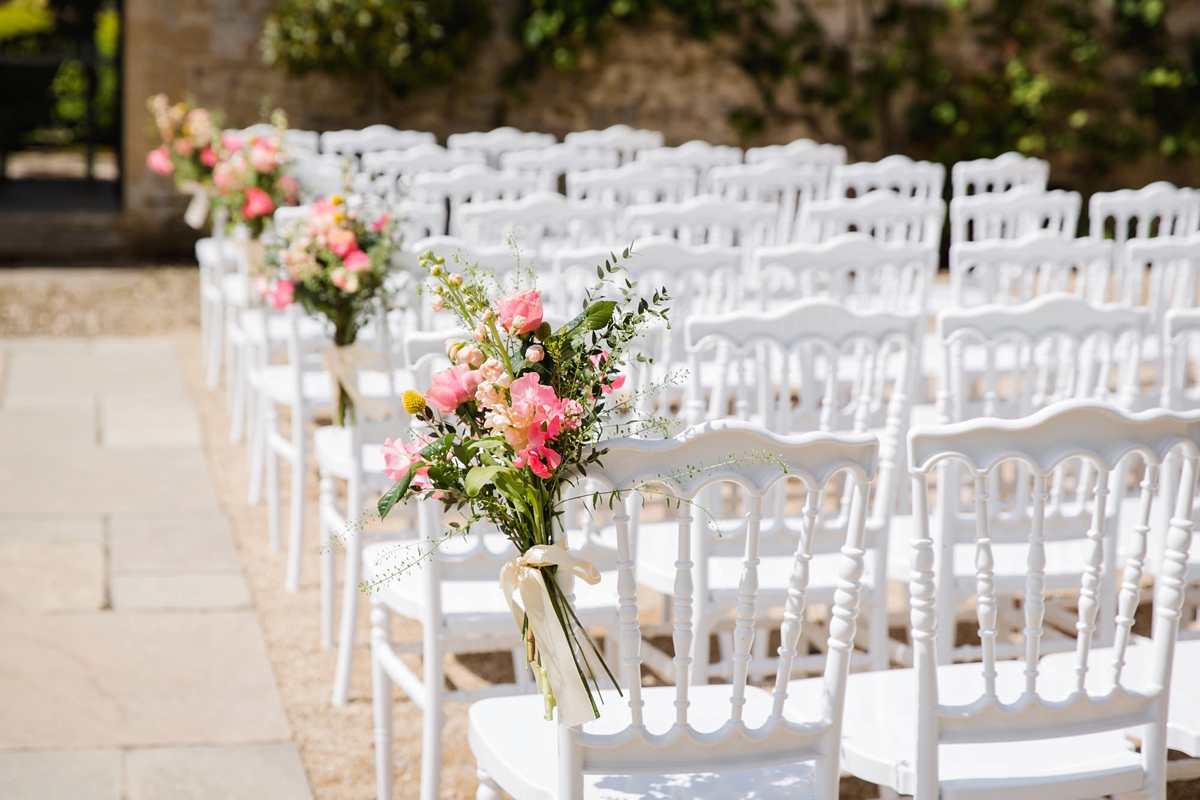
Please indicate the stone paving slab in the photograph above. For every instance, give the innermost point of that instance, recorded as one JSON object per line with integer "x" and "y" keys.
{"x": 157, "y": 544}
{"x": 39, "y": 428}
{"x": 52, "y": 576}
{"x": 168, "y": 591}
{"x": 62, "y": 775}
{"x": 240, "y": 772}
{"x": 132, "y": 421}
{"x": 107, "y": 680}
{"x": 39, "y": 377}
{"x": 83, "y": 529}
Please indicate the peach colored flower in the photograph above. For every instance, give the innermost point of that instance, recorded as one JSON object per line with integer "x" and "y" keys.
{"x": 452, "y": 387}
{"x": 262, "y": 156}
{"x": 492, "y": 369}
{"x": 342, "y": 241}
{"x": 534, "y": 353}
{"x": 437, "y": 303}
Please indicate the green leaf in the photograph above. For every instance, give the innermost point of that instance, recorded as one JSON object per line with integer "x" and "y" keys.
{"x": 396, "y": 493}
{"x": 480, "y": 477}
{"x": 599, "y": 314}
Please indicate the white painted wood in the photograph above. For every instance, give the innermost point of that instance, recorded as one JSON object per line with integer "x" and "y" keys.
{"x": 1013, "y": 214}
{"x": 705, "y": 220}
{"x": 387, "y": 168}
{"x": 922, "y": 180}
{"x": 696, "y": 155}
{"x": 1018, "y": 270}
{"x": 783, "y": 183}
{"x": 622, "y": 139}
{"x": 498, "y": 141}
{"x": 800, "y": 151}
{"x": 883, "y": 215}
{"x": 1000, "y": 174}
{"x": 543, "y": 223}
{"x": 551, "y": 163}
{"x": 635, "y": 183}
{"x": 470, "y": 183}
{"x": 371, "y": 139}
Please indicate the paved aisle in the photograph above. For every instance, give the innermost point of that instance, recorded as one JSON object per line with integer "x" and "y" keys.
{"x": 132, "y": 664}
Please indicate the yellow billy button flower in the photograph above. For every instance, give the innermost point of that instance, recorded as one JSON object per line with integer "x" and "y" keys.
{"x": 336, "y": 200}
{"x": 543, "y": 331}
{"x": 413, "y": 402}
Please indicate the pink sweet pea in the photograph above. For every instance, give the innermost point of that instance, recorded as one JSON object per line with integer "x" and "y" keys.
{"x": 399, "y": 457}
{"x": 208, "y": 157}
{"x": 607, "y": 386}
{"x": 290, "y": 187}
{"x": 358, "y": 261}
{"x": 282, "y": 294}
{"x": 452, "y": 387}
{"x": 258, "y": 203}
{"x": 159, "y": 160}
{"x": 380, "y": 223}
{"x": 541, "y": 460}
{"x": 262, "y": 156}
{"x": 342, "y": 241}
{"x": 525, "y": 306}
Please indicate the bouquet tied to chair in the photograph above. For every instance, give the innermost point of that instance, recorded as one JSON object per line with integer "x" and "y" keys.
{"x": 336, "y": 263}
{"x": 506, "y": 430}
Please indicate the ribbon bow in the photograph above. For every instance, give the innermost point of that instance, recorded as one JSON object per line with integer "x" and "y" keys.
{"x": 522, "y": 575}
{"x": 343, "y": 363}
{"x": 197, "y": 210}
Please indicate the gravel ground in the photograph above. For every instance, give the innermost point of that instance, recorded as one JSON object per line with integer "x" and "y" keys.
{"x": 335, "y": 744}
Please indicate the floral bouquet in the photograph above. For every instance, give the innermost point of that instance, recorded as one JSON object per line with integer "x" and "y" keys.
{"x": 335, "y": 263}
{"x": 510, "y": 425}
{"x": 189, "y": 151}
{"x": 249, "y": 179}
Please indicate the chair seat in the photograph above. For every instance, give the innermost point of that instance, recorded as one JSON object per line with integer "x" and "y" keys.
{"x": 879, "y": 735}
{"x": 1183, "y": 715}
{"x": 259, "y": 328}
{"x": 331, "y": 444}
{"x": 516, "y": 746}
{"x": 476, "y": 606}
{"x": 235, "y": 288}
{"x": 276, "y": 382}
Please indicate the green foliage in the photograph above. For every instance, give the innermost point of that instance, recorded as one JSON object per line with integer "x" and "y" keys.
{"x": 21, "y": 18}
{"x": 412, "y": 44}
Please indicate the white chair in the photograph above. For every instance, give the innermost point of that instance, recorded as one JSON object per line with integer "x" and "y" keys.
{"x": 551, "y": 163}
{"x": 371, "y": 139}
{"x": 543, "y": 222}
{"x": 804, "y": 151}
{"x": 1158, "y": 209}
{"x": 455, "y": 596}
{"x": 470, "y": 183}
{"x": 694, "y": 740}
{"x": 322, "y": 175}
{"x": 638, "y": 182}
{"x": 1013, "y": 214}
{"x": 386, "y": 168}
{"x": 1017, "y": 270}
{"x": 883, "y": 215}
{"x": 1159, "y": 273}
{"x": 852, "y": 269}
{"x": 695, "y": 155}
{"x": 814, "y": 365}
{"x": 620, "y": 139}
{"x": 785, "y": 184}
{"x": 498, "y": 141}
{"x": 999, "y": 174}
{"x": 922, "y": 180}
{"x": 705, "y": 220}
{"x": 416, "y": 220}
{"x": 1012, "y": 729}
{"x": 1008, "y": 362}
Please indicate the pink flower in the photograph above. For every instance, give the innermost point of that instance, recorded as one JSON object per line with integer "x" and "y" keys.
{"x": 345, "y": 280}
{"x": 536, "y": 415}
{"x": 258, "y": 204}
{"x": 208, "y": 157}
{"x": 470, "y": 355}
{"x": 342, "y": 241}
{"x": 606, "y": 386}
{"x": 523, "y": 307}
{"x": 159, "y": 160}
{"x": 282, "y": 294}
{"x": 541, "y": 460}
{"x": 399, "y": 457}
{"x": 262, "y": 285}
{"x": 231, "y": 141}
{"x": 223, "y": 177}
{"x": 535, "y": 353}
{"x": 380, "y": 223}
{"x": 492, "y": 369}
{"x": 452, "y": 387}
{"x": 290, "y": 187}
{"x": 184, "y": 147}
{"x": 262, "y": 156}
{"x": 358, "y": 261}
{"x": 437, "y": 303}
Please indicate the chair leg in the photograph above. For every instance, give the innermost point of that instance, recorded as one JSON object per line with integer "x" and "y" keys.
{"x": 521, "y": 674}
{"x": 381, "y": 692}
{"x": 431, "y": 733}
{"x": 258, "y": 440}
{"x": 296, "y": 518}
{"x": 327, "y": 561}
{"x": 237, "y": 395}
{"x": 488, "y": 788}
{"x": 350, "y": 581}
{"x": 231, "y": 349}
{"x": 272, "y": 477}
{"x": 216, "y": 333}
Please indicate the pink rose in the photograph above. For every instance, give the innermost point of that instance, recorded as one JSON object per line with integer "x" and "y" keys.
{"x": 523, "y": 307}
{"x": 342, "y": 242}
{"x": 262, "y": 156}
{"x": 159, "y": 160}
{"x": 184, "y": 147}
{"x": 290, "y": 187}
{"x": 258, "y": 204}
{"x": 282, "y": 294}
{"x": 231, "y": 141}
{"x": 452, "y": 387}
{"x": 358, "y": 261}
{"x": 379, "y": 224}
{"x": 208, "y": 157}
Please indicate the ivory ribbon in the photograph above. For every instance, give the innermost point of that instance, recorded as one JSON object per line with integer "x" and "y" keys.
{"x": 197, "y": 210}
{"x": 521, "y": 575}
{"x": 343, "y": 363}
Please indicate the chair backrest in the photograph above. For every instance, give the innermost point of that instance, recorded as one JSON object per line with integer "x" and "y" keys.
{"x": 1159, "y": 274}
{"x": 419, "y": 220}
{"x": 883, "y": 215}
{"x": 386, "y": 167}
{"x": 498, "y": 141}
{"x": 1013, "y": 214}
{"x": 853, "y": 269}
{"x": 637, "y": 182}
{"x": 470, "y": 183}
{"x": 321, "y": 175}
{"x": 999, "y": 174}
{"x": 542, "y": 218}
{"x": 705, "y": 220}
{"x": 287, "y": 215}
{"x": 1021, "y": 705}
{"x": 783, "y": 183}
{"x": 551, "y": 163}
{"x": 621, "y": 139}
{"x": 695, "y": 155}
{"x": 1017, "y": 270}
{"x": 919, "y": 179}
{"x": 676, "y": 740}
{"x": 1011, "y": 360}
{"x": 801, "y": 151}
{"x": 1180, "y": 359}
{"x": 372, "y": 138}
{"x": 1159, "y": 209}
